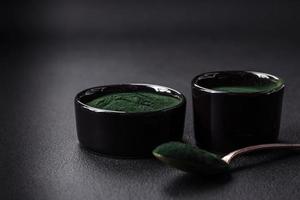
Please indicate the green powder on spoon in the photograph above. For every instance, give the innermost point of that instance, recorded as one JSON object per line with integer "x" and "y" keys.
{"x": 190, "y": 159}
{"x": 134, "y": 102}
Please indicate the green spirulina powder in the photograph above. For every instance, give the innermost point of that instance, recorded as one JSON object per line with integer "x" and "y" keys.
{"x": 239, "y": 89}
{"x": 244, "y": 89}
{"x": 134, "y": 102}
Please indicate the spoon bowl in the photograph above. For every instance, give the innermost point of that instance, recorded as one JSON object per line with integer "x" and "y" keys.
{"x": 190, "y": 159}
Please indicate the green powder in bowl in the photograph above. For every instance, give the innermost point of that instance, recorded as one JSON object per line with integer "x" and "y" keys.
{"x": 134, "y": 102}
{"x": 241, "y": 89}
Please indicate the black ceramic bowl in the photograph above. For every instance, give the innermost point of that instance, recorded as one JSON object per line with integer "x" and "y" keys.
{"x": 227, "y": 120}
{"x": 121, "y": 134}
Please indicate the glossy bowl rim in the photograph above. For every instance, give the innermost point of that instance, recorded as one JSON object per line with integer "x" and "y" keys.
{"x": 80, "y": 94}
{"x": 264, "y": 92}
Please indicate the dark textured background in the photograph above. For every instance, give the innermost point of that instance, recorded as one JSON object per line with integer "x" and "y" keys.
{"x": 52, "y": 50}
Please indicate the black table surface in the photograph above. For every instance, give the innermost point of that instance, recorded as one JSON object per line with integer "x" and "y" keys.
{"x": 39, "y": 153}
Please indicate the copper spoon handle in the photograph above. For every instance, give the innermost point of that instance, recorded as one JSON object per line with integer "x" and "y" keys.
{"x": 239, "y": 152}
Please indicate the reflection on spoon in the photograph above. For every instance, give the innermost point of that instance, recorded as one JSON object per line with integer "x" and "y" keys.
{"x": 194, "y": 160}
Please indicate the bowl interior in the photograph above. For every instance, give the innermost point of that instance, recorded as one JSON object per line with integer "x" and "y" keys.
{"x": 90, "y": 94}
{"x": 238, "y": 82}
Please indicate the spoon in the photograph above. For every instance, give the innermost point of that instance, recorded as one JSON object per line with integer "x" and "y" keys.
{"x": 194, "y": 160}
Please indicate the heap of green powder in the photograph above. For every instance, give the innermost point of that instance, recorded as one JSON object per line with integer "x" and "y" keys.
{"x": 134, "y": 102}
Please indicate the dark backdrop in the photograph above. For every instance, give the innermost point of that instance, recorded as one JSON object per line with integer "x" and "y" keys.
{"x": 135, "y": 19}
{"x": 50, "y": 50}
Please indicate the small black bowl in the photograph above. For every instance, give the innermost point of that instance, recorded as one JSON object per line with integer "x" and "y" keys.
{"x": 122, "y": 134}
{"x": 227, "y": 120}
